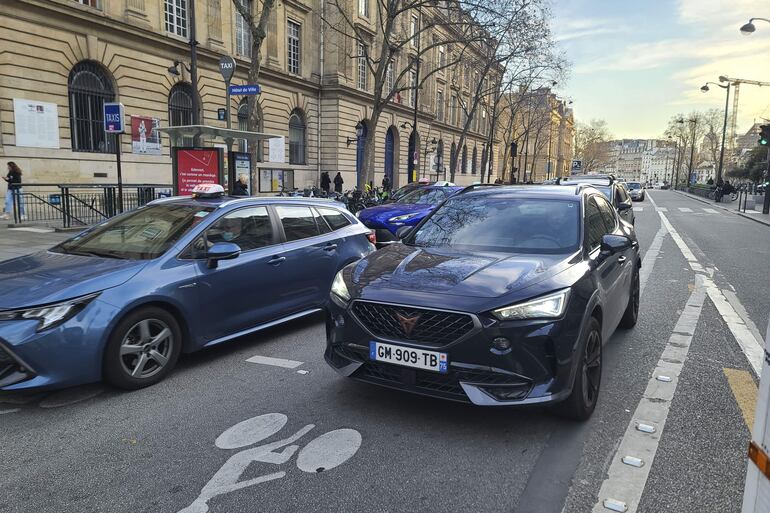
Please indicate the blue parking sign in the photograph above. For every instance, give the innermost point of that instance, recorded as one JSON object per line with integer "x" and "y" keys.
{"x": 114, "y": 114}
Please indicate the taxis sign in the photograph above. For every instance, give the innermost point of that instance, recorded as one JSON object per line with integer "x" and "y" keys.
{"x": 114, "y": 114}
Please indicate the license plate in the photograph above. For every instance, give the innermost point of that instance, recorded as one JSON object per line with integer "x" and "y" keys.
{"x": 408, "y": 357}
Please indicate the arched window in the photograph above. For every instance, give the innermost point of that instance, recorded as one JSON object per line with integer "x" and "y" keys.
{"x": 473, "y": 162}
{"x": 243, "y": 124}
{"x": 89, "y": 87}
{"x": 180, "y": 107}
{"x": 465, "y": 159}
{"x": 296, "y": 137}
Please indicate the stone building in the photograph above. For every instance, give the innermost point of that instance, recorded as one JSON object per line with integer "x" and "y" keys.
{"x": 63, "y": 58}
{"x": 543, "y": 127}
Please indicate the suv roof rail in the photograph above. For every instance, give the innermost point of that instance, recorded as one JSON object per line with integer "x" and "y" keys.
{"x": 477, "y": 185}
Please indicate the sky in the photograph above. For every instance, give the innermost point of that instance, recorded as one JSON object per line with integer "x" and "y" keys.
{"x": 638, "y": 64}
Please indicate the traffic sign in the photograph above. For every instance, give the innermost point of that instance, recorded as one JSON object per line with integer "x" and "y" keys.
{"x": 114, "y": 114}
{"x": 245, "y": 89}
{"x": 577, "y": 166}
{"x": 227, "y": 67}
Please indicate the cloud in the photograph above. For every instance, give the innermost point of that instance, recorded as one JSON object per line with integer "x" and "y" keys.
{"x": 577, "y": 28}
{"x": 718, "y": 12}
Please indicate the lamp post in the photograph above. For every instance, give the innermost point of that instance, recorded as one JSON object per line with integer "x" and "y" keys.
{"x": 705, "y": 89}
{"x": 749, "y": 28}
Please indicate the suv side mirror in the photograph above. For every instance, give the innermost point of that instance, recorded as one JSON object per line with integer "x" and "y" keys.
{"x": 403, "y": 232}
{"x": 624, "y": 205}
{"x": 221, "y": 251}
{"x": 612, "y": 244}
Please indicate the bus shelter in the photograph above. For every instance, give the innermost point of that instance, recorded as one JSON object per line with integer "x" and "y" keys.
{"x": 192, "y": 165}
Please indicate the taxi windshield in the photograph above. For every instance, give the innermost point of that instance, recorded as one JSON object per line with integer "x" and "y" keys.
{"x": 143, "y": 234}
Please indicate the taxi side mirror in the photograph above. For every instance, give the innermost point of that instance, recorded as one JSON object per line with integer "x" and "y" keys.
{"x": 221, "y": 251}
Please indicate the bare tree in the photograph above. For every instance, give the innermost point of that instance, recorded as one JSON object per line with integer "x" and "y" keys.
{"x": 257, "y": 25}
{"x": 590, "y": 144}
{"x": 401, "y": 48}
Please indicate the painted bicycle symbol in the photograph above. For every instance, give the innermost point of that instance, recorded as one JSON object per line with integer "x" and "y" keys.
{"x": 323, "y": 453}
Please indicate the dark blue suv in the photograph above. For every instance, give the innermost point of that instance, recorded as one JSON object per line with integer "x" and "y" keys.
{"x": 502, "y": 296}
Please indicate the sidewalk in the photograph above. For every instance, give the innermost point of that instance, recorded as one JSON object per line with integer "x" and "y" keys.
{"x": 15, "y": 242}
{"x": 730, "y": 207}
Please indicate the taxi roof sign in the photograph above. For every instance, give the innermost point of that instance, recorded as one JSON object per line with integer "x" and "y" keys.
{"x": 208, "y": 190}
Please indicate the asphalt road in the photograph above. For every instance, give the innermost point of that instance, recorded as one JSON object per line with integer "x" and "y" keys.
{"x": 338, "y": 445}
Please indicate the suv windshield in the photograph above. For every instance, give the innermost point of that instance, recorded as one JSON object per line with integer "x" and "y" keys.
{"x": 506, "y": 225}
{"x": 143, "y": 234}
{"x": 423, "y": 197}
{"x": 607, "y": 191}
{"x": 634, "y": 185}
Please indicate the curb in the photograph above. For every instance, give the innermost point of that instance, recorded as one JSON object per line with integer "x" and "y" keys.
{"x": 698, "y": 198}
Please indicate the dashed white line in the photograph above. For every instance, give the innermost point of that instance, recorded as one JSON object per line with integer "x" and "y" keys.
{"x": 12, "y": 410}
{"x": 650, "y": 257}
{"x": 685, "y": 209}
{"x": 662, "y": 209}
{"x": 275, "y": 362}
{"x": 625, "y": 482}
{"x": 710, "y": 211}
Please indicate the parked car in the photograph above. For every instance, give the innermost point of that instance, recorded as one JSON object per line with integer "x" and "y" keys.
{"x": 636, "y": 191}
{"x": 120, "y": 301}
{"x": 614, "y": 190}
{"x": 404, "y": 190}
{"x": 409, "y": 210}
{"x": 501, "y": 296}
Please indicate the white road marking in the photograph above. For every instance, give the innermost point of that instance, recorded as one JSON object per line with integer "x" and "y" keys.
{"x": 302, "y": 371}
{"x": 12, "y": 410}
{"x": 662, "y": 209}
{"x": 638, "y": 209}
{"x": 685, "y": 209}
{"x": 710, "y": 211}
{"x": 329, "y": 450}
{"x": 650, "y": 257}
{"x": 276, "y": 362}
{"x": 626, "y": 482}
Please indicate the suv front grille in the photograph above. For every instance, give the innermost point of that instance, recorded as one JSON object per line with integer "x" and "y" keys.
{"x": 430, "y": 327}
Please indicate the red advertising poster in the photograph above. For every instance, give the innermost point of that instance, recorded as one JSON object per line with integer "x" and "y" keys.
{"x": 196, "y": 166}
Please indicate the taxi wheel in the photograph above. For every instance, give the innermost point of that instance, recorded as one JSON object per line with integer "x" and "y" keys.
{"x": 585, "y": 390}
{"x": 143, "y": 349}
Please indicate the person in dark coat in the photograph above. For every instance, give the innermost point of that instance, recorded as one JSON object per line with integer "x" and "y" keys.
{"x": 386, "y": 183}
{"x": 240, "y": 187}
{"x": 338, "y": 181}
{"x": 325, "y": 182}
{"x": 13, "y": 178}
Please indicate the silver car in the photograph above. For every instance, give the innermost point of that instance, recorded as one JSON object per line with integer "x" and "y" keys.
{"x": 636, "y": 191}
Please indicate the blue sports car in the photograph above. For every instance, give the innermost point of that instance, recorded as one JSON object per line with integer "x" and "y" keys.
{"x": 409, "y": 210}
{"x": 120, "y": 301}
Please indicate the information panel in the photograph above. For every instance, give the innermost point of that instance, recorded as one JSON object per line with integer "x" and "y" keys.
{"x": 36, "y": 123}
{"x": 195, "y": 166}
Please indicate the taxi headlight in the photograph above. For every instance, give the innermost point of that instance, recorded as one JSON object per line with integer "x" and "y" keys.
{"x": 546, "y": 307}
{"x": 339, "y": 291}
{"x": 49, "y": 316}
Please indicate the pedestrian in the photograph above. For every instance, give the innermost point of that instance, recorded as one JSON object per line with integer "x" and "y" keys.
{"x": 325, "y": 182}
{"x": 718, "y": 191}
{"x": 710, "y": 181}
{"x": 241, "y": 188}
{"x": 386, "y": 183}
{"x": 13, "y": 178}
{"x": 338, "y": 181}
{"x": 499, "y": 181}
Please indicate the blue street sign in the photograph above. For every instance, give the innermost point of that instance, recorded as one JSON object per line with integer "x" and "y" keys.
{"x": 114, "y": 114}
{"x": 245, "y": 89}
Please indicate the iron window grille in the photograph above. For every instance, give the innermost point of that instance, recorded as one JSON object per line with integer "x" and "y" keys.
{"x": 180, "y": 108}
{"x": 296, "y": 139}
{"x": 89, "y": 88}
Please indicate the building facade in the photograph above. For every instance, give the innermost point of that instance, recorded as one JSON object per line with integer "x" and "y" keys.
{"x": 64, "y": 58}
{"x": 543, "y": 128}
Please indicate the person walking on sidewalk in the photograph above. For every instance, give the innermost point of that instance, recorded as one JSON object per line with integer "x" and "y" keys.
{"x": 338, "y": 181}
{"x": 13, "y": 178}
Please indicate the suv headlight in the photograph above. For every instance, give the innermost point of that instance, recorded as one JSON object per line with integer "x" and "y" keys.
{"x": 49, "y": 316}
{"x": 546, "y": 307}
{"x": 339, "y": 293}
{"x": 403, "y": 217}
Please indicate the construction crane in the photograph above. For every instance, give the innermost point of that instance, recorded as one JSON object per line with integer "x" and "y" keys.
{"x": 736, "y": 83}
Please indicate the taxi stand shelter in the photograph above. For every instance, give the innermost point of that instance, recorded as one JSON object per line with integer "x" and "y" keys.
{"x": 178, "y": 134}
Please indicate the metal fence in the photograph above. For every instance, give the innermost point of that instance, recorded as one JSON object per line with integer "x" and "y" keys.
{"x": 72, "y": 205}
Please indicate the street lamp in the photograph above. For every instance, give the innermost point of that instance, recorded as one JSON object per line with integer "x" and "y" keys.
{"x": 749, "y": 28}
{"x": 705, "y": 89}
